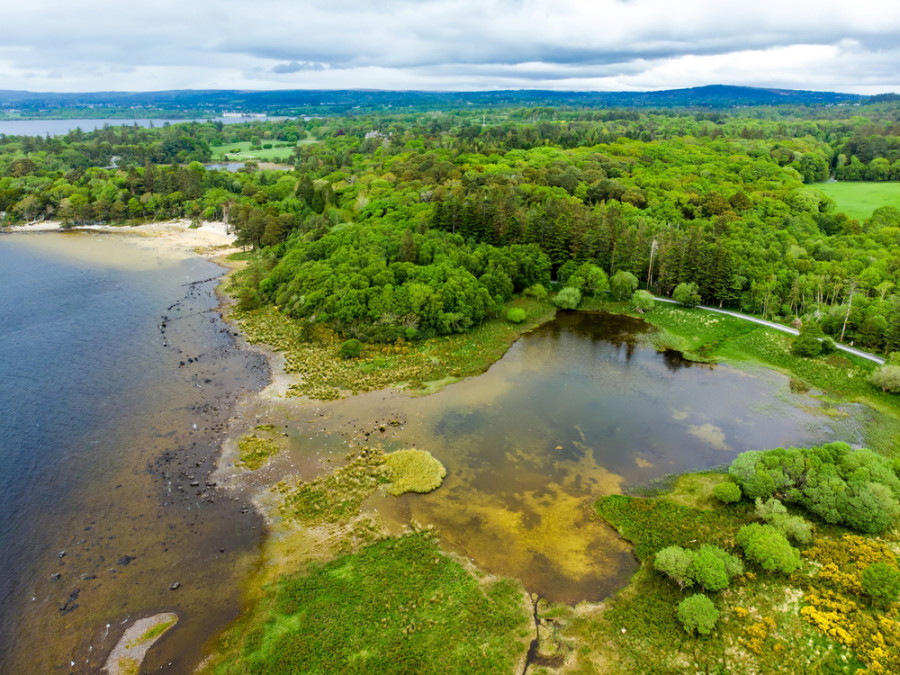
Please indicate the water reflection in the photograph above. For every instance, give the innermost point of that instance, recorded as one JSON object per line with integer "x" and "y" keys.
{"x": 576, "y": 409}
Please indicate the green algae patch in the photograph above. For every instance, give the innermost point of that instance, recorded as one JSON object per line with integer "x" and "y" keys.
{"x": 153, "y": 633}
{"x": 255, "y": 451}
{"x": 413, "y": 471}
{"x": 398, "y": 605}
{"x": 338, "y": 496}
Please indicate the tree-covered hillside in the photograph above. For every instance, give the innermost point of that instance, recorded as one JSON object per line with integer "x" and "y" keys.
{"x": 409, "y": 225}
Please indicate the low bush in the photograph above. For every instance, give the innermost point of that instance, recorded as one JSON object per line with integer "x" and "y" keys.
{"x": 727, "y": 492}
{"x": 697, "y": 613}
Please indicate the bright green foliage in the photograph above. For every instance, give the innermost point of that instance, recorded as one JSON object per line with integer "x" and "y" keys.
{"x": 536, "y": 291}
{"x": 623, "y": 285}
{"x": 887, "y": 377}
{"x": 727, "y": 492}
{"x": 643, "y": 301}
{"x": 687, "y": 294}
{"x": 396, "y": 606}
{"x": 858, "y": 489}
{"x": 698, "y": 613}
{"x": 350, "y": 349}
{"x": 709, "y": 566}
{"x": 567, "y": 298}
{"x": 881, "y": 582}
{"x": 795, "y": 528}
{"x": 677, "y": 564}
{"x": 516, "y": 315}
{"x": 413, "y": 471}
{"x": 714, "y": 568}
{"x": 767, "y": 547}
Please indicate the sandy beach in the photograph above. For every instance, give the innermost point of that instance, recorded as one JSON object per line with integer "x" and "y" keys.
{"x": 175, "y": 237}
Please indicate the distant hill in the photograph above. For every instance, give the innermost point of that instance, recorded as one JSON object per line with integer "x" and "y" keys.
{"x": 292, "y": 102}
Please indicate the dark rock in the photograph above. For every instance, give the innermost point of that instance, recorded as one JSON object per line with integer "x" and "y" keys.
{"x": 124, "y": 560}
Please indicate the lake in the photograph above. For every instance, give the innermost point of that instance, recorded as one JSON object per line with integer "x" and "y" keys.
{"x": 580, "y": 407}
{"x": 46, "y": 127}
{"x": 117, "y": 381}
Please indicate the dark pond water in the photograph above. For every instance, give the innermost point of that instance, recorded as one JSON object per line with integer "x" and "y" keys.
{"x": 101, "y": 435}
{"x": 578, "y": 408}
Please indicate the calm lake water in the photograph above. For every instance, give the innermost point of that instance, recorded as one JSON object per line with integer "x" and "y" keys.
{"x": 58, "y": 127}
{"x": 102, "y": 434}
{"x": 578, "y": 408}
{"x": 117, "y": 380}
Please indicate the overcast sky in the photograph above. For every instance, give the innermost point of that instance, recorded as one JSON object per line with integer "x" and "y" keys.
{"x": 619, "y": 45}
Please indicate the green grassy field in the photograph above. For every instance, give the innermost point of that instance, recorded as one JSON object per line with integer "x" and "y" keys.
{"x": 397, "y": 606}
{"x": 859, "y": 199}
{"x": 245, "y": 151}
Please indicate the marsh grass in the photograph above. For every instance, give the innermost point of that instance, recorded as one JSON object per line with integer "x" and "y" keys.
{"x": 311, "y": 351}
{"x": 396, "y": 606}
{"x": 255, "y": 451}
{"x": 413, "y": 471}
{"x": 337, "y": 496}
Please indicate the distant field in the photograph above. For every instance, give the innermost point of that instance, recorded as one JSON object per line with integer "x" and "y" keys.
{"x": 245, "y": 151}
{"x": 858, "y": 200}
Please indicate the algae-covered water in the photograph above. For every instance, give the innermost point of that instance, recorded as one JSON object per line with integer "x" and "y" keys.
{"x": 117, "y": 378}
{"x": 578, "y": 408}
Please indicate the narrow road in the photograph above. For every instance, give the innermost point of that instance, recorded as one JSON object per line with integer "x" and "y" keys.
{"x": 777, "y": 326}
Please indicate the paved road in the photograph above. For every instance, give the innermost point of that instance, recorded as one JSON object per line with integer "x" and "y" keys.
{"x": 778, "y": 326}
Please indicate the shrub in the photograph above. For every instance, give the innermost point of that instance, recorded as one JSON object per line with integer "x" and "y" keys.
{"x": 808, "y": 343}
{"x": 516, "y": 315}
{"x": 623, "y": 285}
{"x": 567, "y": 298}
{"x": 727, "y": 492}
{"x": 697, "y": 613}
{"x": 710, "y": 566}
{"x": 677, "y": 564}
{"x": 643, "y": 301}
{"x": 687, "y": 294}
{"x": 350, "y": 349}
{"x": 767, "y": 547}
{"x": 536, "y": 291}
{"x": 709, "y": 569}
{"x": 795, "y": 528}
{"x": 881, "y": 582}
{"x": 887, "y": 377}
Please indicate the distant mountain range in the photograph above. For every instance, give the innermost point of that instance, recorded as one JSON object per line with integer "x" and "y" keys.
{"x": 292, "y": 102}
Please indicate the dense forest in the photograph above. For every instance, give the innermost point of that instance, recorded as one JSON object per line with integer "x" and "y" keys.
{"x": 406, "y": 225}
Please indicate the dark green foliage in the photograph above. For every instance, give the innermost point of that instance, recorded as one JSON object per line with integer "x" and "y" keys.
{"x": 727, "y": 492}
{"x": 881, "y": 582}
{"x": 858, "y": 489}
{"x": 653, "y": 524}
{"x": 808, "y": 342}
{"x": 350, "y": 349}
{"x": 767, "y": 547}
{"x": 698, "y": 613}
{"x": 396, "y": 606}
